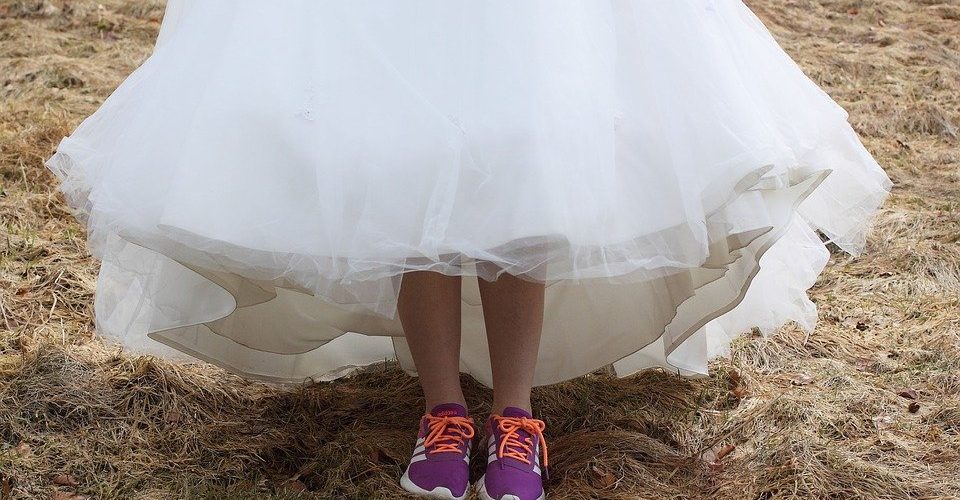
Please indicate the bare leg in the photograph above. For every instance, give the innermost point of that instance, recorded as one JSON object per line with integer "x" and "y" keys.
{"x": 513, "y": 315}
{"x": 429, "y": 310}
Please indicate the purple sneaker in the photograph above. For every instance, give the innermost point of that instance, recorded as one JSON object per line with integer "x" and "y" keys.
{"x": 440, "y": 467}
{"x": 514, "y": 442}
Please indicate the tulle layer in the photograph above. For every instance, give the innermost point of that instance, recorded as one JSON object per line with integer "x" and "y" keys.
{"x": 256, "y": 199}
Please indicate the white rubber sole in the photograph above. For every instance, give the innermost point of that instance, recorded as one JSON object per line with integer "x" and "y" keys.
{"x": 482, "y": 493}
{"x": 439, "y": 492}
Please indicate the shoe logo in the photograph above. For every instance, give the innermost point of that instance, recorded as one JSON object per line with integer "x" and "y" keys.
{"x": 447, "y": 413}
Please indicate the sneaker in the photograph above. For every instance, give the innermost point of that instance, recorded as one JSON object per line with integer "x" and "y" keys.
{"x": 440, "y": 467}
{"x": 514, "y": 442}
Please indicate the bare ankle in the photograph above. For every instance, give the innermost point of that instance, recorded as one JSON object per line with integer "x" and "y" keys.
{"x": 499, "y": 406}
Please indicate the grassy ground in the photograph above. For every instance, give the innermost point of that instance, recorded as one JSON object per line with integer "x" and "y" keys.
{"x": 867, "y": 407}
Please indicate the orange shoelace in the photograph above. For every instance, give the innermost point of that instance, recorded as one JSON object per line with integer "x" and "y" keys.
{"x": 511, "y": 445}
{"x": 447, "y": 434}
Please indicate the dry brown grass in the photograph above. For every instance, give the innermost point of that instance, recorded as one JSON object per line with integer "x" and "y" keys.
{"x": 818, "y": 417}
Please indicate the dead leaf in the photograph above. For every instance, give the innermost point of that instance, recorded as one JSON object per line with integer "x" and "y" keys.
{"x": 802, "y": 379}
{"x": 603, "y": 479}
{"x": 293, "y": 485}
{"x": 64, "y": 480}
{"x": 739, "y": 392}
{"x": 738, "y": 389}
{"x": 907, "y": 393}
{"x": 382, "y": 456}
{"x": 726, "y": 450}
{"x": 714, "y": 455}
{"x": 913, "y": 407}
{"x": 856, "y": 323}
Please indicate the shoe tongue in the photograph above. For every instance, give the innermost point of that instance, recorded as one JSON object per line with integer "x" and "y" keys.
{"x": 513, "y": 412}
{"x": 449, "y": 410}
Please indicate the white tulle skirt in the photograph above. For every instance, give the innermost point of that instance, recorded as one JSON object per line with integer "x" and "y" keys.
{"x": 258, "y": 188}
